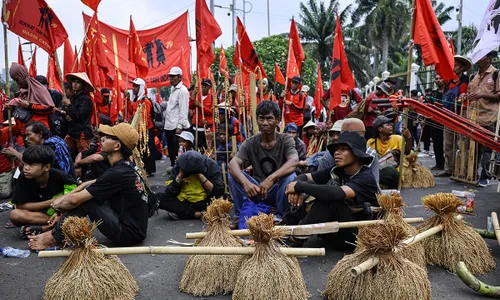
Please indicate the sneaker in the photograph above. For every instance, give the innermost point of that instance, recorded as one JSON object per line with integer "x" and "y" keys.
{"x": 483, "y": 182}
{"x": 172, "y": 216}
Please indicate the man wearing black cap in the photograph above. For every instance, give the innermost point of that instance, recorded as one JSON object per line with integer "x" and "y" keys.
{"x": 342, "y": 193}
{"x": 204, "y": 110}
{"x": 294, "y": 104}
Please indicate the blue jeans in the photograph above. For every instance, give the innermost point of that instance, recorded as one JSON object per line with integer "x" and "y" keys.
{"x": 275, "y": 196}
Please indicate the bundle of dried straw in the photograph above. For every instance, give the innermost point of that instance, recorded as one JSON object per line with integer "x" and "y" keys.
{"x": 268, "y": 273}
{"x": 207, "y": 275}
{"x": 457, "y": 242}
{"x": 416, "y": 175}
{"x": 394, "y": 277}
{"x": 87, "y": 274}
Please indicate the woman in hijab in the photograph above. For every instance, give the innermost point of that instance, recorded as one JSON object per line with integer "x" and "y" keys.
{"x": 319, "y": 139}
{"x": 33, "y": 104}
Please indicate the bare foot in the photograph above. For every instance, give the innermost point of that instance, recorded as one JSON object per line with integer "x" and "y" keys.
{"x": 42, "y": 241}
{"x": 198, "y": 215}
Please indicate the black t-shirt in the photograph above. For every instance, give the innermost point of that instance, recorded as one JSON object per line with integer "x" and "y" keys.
{"x": 362, "y": 183}
{"x": 28, "y": 190}
{"x": 122, "y": 189}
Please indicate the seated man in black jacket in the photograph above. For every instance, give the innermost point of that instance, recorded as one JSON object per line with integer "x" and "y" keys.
{"x": 194, "y": 181}
{"x": 341, "y": 194}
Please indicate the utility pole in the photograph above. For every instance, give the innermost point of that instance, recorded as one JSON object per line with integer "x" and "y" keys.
{"x": 268, "y": 20}
{"x": 233, "y": 12}
{"x": 212, "y": 7}
{"x": 459, "y": 38}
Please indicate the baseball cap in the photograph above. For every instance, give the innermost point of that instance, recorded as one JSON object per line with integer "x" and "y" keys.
{"x": 125, "y": 132}
{"x": 105, "y": 91}
{"x": 186, "y": 135}
{"x": 206, "y": 81}
{"x": 233, "y": 88}
{"x": 380, "y": 120}
{"x": 296, "y": 79}
{"x": 175, "y": 71}
{"x": 305, "y": 88}
{"x": 139, "y": 81}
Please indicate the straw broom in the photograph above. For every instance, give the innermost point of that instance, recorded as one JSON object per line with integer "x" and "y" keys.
{"x": 268, "y": 274}
{"x": 457, "y": 242}
{"x": 207, "y": 275}
{"x": 416, "y": 175}
{"x": 394, "y": 277}
{"x": 392, "y": 212}
{"x": 87, "y": 274}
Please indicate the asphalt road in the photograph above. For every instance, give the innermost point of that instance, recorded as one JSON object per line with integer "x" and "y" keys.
{"x": 158, "y": 276}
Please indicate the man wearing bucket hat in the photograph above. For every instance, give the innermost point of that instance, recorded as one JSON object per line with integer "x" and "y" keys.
{"x": 484, "y": 93}
{"x": 186, "y": 141}
{"x": 176, "y": 114}
{"x": 117, "y": 198}
{"x": 451, "y": 101}
{"x": 79, "y": 112}
{"x": 341, "y": 193}
{"x": 383, "y": 90}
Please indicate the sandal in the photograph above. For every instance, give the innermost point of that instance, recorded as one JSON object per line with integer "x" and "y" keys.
{"x": 10, "y": 225}
{"x": 34, "y": 230}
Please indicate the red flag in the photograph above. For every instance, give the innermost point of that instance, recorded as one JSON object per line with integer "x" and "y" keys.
{"x": 76, "y": 64}
{"x": 32, "y": 70}
{"x": 318, "y": 94}
{"x": 207, "y": 31}
{"x": 116, "y": 99}
{"x": 20, "y": 59}
{"x": 223, "y": 69}
{"x": 92, "y": 4}
{"x": 297, "y": 46}
{"x": 69, "y": 57}
{"x": 429, "y": 35}
{"x": 53, "y": 77}
{"x": 35, "y": 21}
{"x": 278, "y": 76}
{"x": 136, "y": 55}
{"x": 186, "y": 72}
{"x": 249, "y": 58}
{"x": 236, "y": 56}
{"x": 341, "y": 78}
{"x": 452, "y": 46}
{"x": 291, "y": 64}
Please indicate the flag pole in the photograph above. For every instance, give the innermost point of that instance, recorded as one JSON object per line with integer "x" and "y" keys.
{"x": 408, "y": 79}
{"x": 85, "y": 30}
{"x": 282, "y": 127}
{"x": 227, "y": 102}
{"x": 125, "y": 118}
{"x": 241, "y": 97}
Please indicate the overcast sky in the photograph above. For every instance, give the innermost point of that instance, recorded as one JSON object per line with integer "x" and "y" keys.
{"x": 151, "y": 13}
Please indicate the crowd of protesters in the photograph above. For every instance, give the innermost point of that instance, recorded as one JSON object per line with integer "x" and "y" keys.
{"x": 301, "y": 168}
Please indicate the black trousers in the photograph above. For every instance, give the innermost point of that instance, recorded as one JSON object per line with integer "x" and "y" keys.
{"x": 484, "y": 156}
{"x": 327, "y": 211}
{"x": 184, "y": 209}
{"x": 110, "y": 225}
{"x": 437, "y": 142}
{"x": 150, "y": 160}
{"x": 202, "y": 140}
{"x": 426, "y": 137}
{"x": 370, "y": 132}
{"x": 173, "y": 145}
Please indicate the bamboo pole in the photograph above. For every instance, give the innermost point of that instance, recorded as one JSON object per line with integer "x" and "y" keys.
{"x": 7, "y": 77}
{"x": 328, "y": 227}
{"x": 373, "y": 261}
{"x": 125, "y": 118}
{"x": 224, "y": 177}
{"x": 496, "y": 226}
{"x": 253, "y": 102}
{"x": 188, "y": 251}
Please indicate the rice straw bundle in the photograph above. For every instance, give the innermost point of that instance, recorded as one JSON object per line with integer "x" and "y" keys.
{"x": 416, "y": 175}
{"x": 394, "y": 277}
{"x": 268, "y": 273}
{"x": 392, "y": 212}
{"x": 457, "y": 242}
{"x": 87, "y": 274}
{"x": 207, "y": 275}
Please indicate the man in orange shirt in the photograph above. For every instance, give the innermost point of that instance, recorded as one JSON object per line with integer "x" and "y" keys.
{"x": 104, "y": 107}
{"x": 204, "y": 111}
{"x": 294, "y": 105}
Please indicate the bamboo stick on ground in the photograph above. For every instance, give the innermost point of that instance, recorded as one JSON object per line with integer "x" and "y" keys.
{"x": 187, "y": 251}
{"x": 308, "y": 229}
{"x": 496, "y": 226}
{"x": 477, "y": 285}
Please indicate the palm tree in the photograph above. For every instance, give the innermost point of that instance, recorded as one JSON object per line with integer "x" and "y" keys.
{"x": 442, "y": 12}
{"x": 469, "y": 34}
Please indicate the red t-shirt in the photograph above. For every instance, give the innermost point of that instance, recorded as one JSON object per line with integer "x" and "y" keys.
{"x": 146, "y": 110}
{"x": 367, "y": 118}
{"x": 207, "y": 110}
{"x": 295, "y": 112}
{"x": 5, "y": 163}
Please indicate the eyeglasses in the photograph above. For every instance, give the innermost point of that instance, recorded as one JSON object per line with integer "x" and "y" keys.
{"x": 110, "y": 137}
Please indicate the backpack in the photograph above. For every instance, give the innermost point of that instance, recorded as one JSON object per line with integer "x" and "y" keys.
{"x": 157, "y": 115}
{"x": 153, "y": 201}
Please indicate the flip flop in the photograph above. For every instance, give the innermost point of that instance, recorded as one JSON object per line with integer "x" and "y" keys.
{"x": 10, "y": 225}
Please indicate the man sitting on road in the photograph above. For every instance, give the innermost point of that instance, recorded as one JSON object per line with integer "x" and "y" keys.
{"x": 344, "y": 193}
{"x": 118, "y": 198}
{"x": 273, "y": 157}
{"x": 195, "y": 179}
{"x": 36, "y": 189}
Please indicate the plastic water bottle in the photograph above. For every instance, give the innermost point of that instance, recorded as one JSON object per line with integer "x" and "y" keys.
{"x": 13, "y": 252}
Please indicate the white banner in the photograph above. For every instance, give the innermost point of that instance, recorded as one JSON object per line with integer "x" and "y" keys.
{"x": 489, "y": 32}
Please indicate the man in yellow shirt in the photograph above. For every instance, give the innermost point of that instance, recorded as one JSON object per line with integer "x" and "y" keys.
{"x": 388, "y": 147}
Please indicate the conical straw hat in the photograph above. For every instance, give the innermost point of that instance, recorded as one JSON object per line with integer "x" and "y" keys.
{"x": 82, "y": 76}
